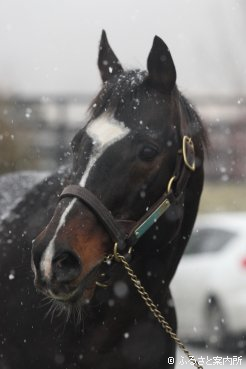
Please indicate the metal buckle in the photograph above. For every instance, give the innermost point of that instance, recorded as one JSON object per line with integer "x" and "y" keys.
{"x": 170, "y": 183}
{"x": 189, "y": 153}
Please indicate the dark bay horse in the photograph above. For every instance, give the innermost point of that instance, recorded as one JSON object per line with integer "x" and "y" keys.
{"x": 140, "y": 151}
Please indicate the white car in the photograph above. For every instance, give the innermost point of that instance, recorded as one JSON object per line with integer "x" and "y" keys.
{"x": 209, "y": 287}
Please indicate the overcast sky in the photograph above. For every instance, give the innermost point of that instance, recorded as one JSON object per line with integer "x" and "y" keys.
{"x": 50, "y": 46}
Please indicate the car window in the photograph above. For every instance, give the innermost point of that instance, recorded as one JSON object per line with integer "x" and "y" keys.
{"x": 208, "y": 240}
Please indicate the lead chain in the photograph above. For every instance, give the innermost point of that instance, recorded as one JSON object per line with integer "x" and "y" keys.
{"x": 152, "y": 307}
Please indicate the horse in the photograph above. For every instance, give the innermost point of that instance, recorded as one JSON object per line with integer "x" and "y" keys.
{"x": 130, "y": 198}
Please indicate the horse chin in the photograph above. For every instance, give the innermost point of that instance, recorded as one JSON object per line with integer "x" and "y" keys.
{"x": 79, "y": 293}
{"x": 75, "y": 297}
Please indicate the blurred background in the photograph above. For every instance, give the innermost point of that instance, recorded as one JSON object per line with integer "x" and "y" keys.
{"x": 48, "y": 76}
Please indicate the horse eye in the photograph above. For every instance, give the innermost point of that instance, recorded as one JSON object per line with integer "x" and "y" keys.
{"x": 148, "y": 153}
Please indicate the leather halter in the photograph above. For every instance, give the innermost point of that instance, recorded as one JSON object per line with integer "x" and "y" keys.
{"x": 185, "y": 165}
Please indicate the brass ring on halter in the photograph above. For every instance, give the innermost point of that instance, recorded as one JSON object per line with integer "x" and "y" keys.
{"x": 170, "y": 183}
{"x": 116, "y": 254}
{"x": 102, "y": 285}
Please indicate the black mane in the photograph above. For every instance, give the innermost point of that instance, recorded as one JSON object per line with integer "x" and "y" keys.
{"x": 193, "y": 118}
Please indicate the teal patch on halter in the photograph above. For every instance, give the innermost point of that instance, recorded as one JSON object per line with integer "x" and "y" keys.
{"x": 162, "y": 208}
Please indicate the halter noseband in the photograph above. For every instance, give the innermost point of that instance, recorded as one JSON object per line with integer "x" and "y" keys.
{"x": 185, "y": 165}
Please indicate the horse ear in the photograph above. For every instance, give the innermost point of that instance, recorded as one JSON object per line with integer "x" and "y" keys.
{"x": 108, "y": 63}
{"x": 162, "y": 73}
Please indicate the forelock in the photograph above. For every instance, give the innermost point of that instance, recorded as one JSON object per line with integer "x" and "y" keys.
{"x": 117, "y": 92}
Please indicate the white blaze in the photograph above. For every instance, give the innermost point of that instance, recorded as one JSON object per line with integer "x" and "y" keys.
{"x": 104, "y": 132}
{"x": 46, "y": 261}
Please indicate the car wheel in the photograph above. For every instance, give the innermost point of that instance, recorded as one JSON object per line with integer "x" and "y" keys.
{"x": 217, "y": 336}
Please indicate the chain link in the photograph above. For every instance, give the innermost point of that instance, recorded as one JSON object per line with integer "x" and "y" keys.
{"x": 153, "y": 308}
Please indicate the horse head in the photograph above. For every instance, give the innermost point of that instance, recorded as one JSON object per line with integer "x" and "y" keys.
{"x": 125, "y": 155}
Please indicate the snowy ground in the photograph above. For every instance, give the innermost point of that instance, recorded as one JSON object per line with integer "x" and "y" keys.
{"x": 209, "y": 359}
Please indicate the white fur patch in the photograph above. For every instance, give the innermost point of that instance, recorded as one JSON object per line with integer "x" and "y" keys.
{"x": 46, "y": 261}
{"x": 104, "y": 132}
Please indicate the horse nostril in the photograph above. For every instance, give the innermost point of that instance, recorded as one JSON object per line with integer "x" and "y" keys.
{"x": 66, "y": 266}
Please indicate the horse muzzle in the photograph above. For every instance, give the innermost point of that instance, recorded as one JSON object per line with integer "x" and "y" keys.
{"x": 65, "y": 262}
